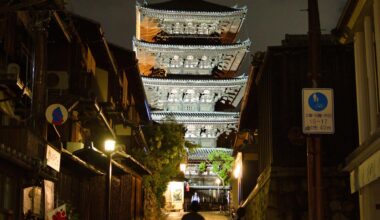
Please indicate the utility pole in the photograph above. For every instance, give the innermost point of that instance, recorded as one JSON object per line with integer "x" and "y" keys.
{"x": 314, "y": 167}
{"x": 41, "y": 20}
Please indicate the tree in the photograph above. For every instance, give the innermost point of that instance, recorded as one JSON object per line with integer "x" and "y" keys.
{"x": 166, "y": 150}
{"x": 221, "y": 163}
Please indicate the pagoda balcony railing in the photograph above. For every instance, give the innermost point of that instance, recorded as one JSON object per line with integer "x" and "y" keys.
{"x": 196, "y": 39}
{"x": 22, "y": 141}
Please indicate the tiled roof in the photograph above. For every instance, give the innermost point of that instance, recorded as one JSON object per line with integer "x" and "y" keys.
{"x": 194, "y": 5}
{"x": 234, "y": 46}
{"x": 197, "y": 117}
{"x": 201, "y": 154}
{"x": 195, "y": 83}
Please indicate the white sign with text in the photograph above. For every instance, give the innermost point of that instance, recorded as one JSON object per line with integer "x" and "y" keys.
{"x": 53, "y": 158}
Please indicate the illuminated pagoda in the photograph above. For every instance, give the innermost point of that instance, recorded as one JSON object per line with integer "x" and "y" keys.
{"x": 189, "y": 59}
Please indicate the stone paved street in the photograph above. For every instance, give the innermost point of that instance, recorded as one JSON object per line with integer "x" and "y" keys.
{"x": 206, "y": 215}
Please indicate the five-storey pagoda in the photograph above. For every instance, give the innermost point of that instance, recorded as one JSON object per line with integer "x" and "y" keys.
{"x": 189, "y": 59}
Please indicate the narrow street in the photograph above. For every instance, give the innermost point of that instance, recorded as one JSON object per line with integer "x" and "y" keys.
{"x": 206, "y": 215}
{"x": 138, "y": 109}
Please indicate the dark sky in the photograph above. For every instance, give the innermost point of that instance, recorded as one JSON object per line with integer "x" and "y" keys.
{"x": 266, "y": 24}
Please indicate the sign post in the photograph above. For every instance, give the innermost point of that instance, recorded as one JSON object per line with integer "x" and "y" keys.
{"x": 314, "y": 151}
{"x": 317, "y": 111}
{"x": 317, "y": 118}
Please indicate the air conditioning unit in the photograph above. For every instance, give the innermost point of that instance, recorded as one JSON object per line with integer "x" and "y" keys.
{"x": 57, "y": 80}
{"x": 12, "y": 72}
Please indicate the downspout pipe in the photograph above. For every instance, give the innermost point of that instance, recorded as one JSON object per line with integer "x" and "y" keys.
{"x": 39, "y": 73}
{"x": 100, "y": 112}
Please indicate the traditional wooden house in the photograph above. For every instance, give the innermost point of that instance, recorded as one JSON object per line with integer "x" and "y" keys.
{"x": 103, "y": 105}
{"x": 51, "y": 56}
{"x": 189, "y": 60}
{"x": 24, "y": 165}
{"x": 359, "y": 25}
{"x": 276, "y": 129}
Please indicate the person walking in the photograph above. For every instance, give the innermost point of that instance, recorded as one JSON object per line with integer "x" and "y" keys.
{"x": 195, "y": 197}
{"x": 193, "y": 215}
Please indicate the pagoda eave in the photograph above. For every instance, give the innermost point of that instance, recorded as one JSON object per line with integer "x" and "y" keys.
{"x": 163, "y": 13}
{"x": 171, "y": 47}
{"x": 210, "y": 83}
{"x": 163, "y": 59}
{"x": 196, "y": 117}
{"x": 201, "y": 154}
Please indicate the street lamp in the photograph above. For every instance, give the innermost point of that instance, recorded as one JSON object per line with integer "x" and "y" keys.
{"x": 109, "y": 147}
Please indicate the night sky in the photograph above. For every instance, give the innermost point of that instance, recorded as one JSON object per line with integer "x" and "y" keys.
{"x": 266, "y": 24}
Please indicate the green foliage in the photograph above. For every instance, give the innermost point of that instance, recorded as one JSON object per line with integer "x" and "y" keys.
{"x": 166, "y": 150}
{"x": 191, "y": 146}
{"x": 221, "y": 164}
{"x": 202, "y": 167}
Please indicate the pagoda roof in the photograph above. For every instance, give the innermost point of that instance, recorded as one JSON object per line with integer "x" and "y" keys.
{"x": 193, "y": 6}
{"x": 201, "y": 154}
{"x": 227, "y": 58}
{"x": 197, "y": 117}
{"x": 240, "y": 81}
{"x": 244, "y": 44}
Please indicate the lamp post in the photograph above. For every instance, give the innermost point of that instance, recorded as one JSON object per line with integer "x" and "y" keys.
{"x": 109, "y": 147}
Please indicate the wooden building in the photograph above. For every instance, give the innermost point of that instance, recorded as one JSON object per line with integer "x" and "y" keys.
{"x": 359, "y": 25}
{"x": 276, "y": 126}
{"x": 50, "y": 56}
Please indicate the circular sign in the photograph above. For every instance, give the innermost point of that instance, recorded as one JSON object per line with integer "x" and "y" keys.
{"x": 56, "y": 114}
{"x": 317, "y": 101}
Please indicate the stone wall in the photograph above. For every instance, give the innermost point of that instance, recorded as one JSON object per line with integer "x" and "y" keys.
{"x": 281, "y": 193}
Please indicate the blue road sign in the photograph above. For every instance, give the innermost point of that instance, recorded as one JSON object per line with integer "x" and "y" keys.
{"x": 317, "y": 101}
{"x": 317, "y": 111}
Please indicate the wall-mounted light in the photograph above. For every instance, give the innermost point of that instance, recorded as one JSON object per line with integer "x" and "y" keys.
{"x": 238, "y": 166}
{"x": 182, "y": 167}
{"x": 237, "y": 171}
